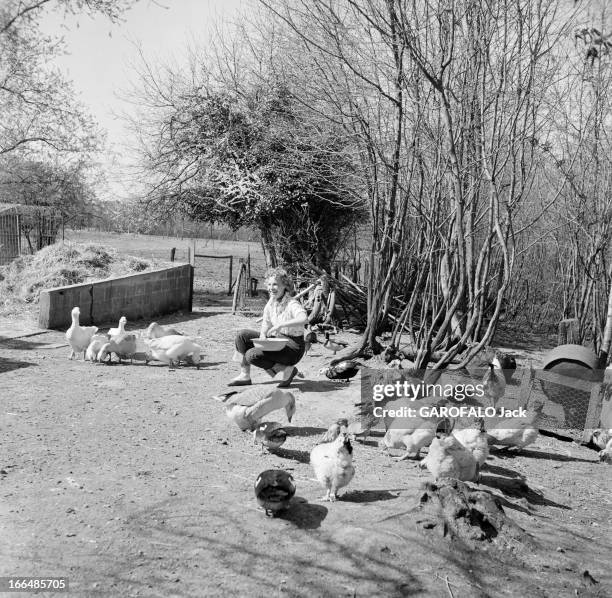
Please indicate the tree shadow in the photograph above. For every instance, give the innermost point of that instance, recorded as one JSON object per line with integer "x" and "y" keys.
{"x": 502, "y": 471}
{"x": 8, "y": 365}
{"x": 18, "y": 344}
{"x": 517, "y": 488}
{"x": 365, "y": 496}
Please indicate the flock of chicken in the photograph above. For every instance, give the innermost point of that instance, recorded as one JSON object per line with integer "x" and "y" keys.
{"x": 163, "y": 344}
{"x": 458, "y": 454}
{"x": 452, "y": 454}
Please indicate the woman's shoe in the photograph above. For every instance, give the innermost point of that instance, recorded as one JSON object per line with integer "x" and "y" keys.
{"x": 240, "y": 382}
{"x": 287, "y": 382}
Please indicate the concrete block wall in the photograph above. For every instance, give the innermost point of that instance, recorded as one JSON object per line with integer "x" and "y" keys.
{"x": 145, "y": 295}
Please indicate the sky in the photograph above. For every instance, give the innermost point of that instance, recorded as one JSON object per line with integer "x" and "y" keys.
{"x": 100, "y": 55}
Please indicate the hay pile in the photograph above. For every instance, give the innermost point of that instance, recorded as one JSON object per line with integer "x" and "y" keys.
{"x": 59, "y": 265}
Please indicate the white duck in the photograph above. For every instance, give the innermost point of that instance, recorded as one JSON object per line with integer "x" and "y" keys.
{"x": 169, "y": 349}
{"x": 156, "y": 330}
{"x": 120, "y": 329}
{"x": 247, "y": 408}
{"x": 78, "y": 336}
{"x": 96, "y": 343}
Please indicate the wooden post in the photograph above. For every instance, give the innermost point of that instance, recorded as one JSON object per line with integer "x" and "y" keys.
{"x": 172, "y": 254}
{"x": 190, "y": 255}
{"x": 231, "y": 266}
{"x": 249, "y": 289}
{"x": 191, "y": 277}
{"x": 593, "y": 412}
{"x": 526, "y": 386}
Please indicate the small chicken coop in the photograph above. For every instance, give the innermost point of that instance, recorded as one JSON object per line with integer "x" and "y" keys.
{"x": 25, "y": 229}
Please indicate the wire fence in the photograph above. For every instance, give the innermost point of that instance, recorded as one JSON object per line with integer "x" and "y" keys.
{"x": 26, "y": 229}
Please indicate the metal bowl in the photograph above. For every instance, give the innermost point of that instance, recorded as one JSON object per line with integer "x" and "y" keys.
{"x": 270, "y": 344}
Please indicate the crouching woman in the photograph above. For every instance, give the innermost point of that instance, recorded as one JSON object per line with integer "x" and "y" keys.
{"x": 283, "y": 317}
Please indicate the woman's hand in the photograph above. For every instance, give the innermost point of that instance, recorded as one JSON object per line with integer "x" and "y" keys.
{"x": 272, "y": 330}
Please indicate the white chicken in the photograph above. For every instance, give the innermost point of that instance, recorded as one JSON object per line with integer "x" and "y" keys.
{"x": 448, "y": 458}
{"x": 78, "y": 336}
{"x": 605, "y": 456}
{"x": 247, "y": 408}
{"x": 123, "y": 346}
{"x": 120, "y": 329}
{"x": 475, "y": 441}
{"x": 333, "y": 465}
{"x": 419, "y": 435}
{"x": 169, "y": 349}
{"x": 517, "y": 432}
{"x": 156, "y": 330}
{"x": 601, "y": 437}
{"x": 96, "y": 343}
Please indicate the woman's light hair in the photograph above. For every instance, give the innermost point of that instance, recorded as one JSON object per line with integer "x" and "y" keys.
{"x": 282, "y": 276}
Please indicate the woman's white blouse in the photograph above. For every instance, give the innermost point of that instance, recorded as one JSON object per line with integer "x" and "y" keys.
{"x": 276, "y": 313}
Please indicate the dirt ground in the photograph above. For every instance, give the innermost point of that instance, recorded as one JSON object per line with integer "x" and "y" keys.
{"x": 130, "y": 481}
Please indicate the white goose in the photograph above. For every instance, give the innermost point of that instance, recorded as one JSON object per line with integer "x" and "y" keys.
{"x": 78, "y": 336}
{"x": 95, "y": 344}
{"x": 120, "y": 329}
{"x": 169, "y": 349}
{"x": 246, "y": 409}
{"x": 156, "y": 330}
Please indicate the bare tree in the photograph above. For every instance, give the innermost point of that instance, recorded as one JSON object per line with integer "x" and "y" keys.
{"x": 581, "y": 156}
{"x": 443, "y": 101}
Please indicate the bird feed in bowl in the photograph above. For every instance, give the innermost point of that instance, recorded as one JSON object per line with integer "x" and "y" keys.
{"x": 270, "y": 344}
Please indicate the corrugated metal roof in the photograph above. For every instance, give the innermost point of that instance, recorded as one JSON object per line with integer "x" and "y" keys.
{"x": 26, "y": 209}
{"x": 5, "y": 207}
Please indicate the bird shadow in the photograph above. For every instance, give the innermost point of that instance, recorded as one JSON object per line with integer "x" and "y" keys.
{"x": 508, "y": 454}
{"x": 364, "y": 496}
{"x": 360, "y": 442}
{"x": 304, "y": 431}
{"x": 303, "y": 514}
{"x": 293, "y": 454}
{"x": 318, "y": 385}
